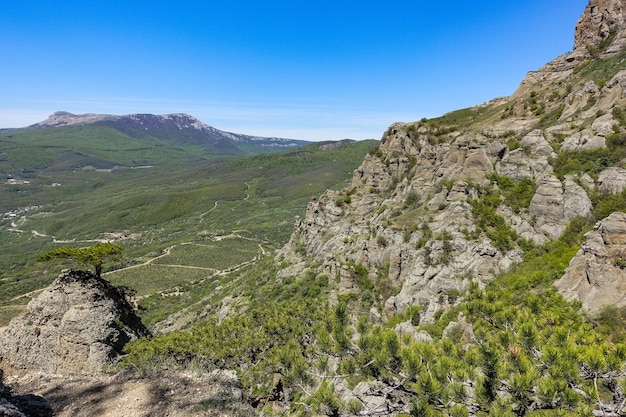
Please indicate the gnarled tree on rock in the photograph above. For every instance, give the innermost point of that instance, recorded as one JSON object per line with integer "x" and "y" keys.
{"x": 92, "y": 256}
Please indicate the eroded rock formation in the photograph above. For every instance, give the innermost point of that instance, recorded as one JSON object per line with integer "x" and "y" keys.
{"x": 78, "y": 325}
{"x": 597, "y": 274}
{"x": 602, "y": 22}
{"x": 408, "y": 215}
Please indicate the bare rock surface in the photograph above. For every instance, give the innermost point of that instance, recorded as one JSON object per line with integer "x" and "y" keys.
{"x": 79, "y": 324}
{"x": 596, "y": 275}
{"x": 217, "y": 394}
{"x": 612, "y": 180}
{"x": 602, "y": 21}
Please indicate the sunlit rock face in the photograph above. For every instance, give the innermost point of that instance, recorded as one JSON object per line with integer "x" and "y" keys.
{"x": 408, "y": 216}
{"x": 603, "y": 22}
{"x": 596, "y": 276}
{"x": 78, "y": 325}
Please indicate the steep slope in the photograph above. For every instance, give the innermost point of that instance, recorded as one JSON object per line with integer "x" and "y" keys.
{"x": 447, "y": 201}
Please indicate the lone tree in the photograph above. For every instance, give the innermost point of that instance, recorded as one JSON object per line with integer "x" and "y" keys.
{"x": 91, "y": 256}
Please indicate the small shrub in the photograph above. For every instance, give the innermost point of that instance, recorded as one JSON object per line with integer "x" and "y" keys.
{"x": 619, "y": 263}
{"x": 448, "y": 184}
{"x": 452, "y": 294}
{"x": 354, "y": 406}
{"x": 513, "y": 144}
{"x": 616, "y": 139}
{"x": 411, "y": 199}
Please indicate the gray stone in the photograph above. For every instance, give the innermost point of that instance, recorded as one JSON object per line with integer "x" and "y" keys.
{"x": 79, "y": 324}
{"x": 612, "y": 180}
{"x": 595, "y": 276}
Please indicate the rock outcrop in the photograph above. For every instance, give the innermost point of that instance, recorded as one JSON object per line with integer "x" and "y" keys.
{"x": 78, "y": 325}
{"x": 597, "y": 274}
{"x": 411, "y": 215}
{"x": 603, "y": 22}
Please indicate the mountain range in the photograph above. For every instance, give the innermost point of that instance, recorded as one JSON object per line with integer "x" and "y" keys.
{"x": 103, "y": 141}
{"x": 179, "y": 129}
{"x": 472, "y": 264}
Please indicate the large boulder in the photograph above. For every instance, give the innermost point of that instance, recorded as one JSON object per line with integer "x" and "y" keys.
{"x": 596, "y": 276}
{"x": 78, "y": 325}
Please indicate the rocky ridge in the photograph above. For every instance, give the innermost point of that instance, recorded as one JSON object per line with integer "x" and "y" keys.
{"x": 411, "y": 214}
{"x": 159, "y": 125}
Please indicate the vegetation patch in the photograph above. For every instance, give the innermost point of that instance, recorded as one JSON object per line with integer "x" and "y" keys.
{"x": 591, "y": 161}
{"x": 491, "y": 223}
{"x": 216, "y": 255}
{"x": 516, "y": 194}
{"x": 277, "y": 333}
{"x": 151, "y": 279}
{"x": 8, "y": 312}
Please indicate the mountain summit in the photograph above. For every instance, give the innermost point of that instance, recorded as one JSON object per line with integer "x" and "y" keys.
{"x": 179, "y": 120}
{"x": 177, "y": 128}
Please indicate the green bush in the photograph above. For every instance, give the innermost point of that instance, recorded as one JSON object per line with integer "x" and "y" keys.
{"x": 517, "y": 194}
{"x": 591, "y": 161}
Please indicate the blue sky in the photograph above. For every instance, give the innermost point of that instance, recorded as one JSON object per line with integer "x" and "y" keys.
{"x": 315, "y": 70}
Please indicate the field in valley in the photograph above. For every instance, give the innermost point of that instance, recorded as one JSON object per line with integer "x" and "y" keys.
{"x": 181, "y": 224}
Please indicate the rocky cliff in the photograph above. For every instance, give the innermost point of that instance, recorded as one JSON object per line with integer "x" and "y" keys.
{"x": 602, "y": 24}
{"x": 446, "y": 201}
{"x": 596, "y": 275}
{"x": 78, "y": 325}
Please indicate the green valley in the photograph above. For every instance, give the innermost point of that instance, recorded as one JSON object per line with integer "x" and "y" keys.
{"x": 178, "y": 199}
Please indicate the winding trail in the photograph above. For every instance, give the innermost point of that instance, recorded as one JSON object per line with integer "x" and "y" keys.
{"x": 28, "y": 294}
{"x": 235, "y": 234}
{"x": 246, "y": 198}
{"x": 167, "y": 251}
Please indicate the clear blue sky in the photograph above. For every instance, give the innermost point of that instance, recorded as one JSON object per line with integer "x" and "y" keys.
{"x": 312, "y": 70}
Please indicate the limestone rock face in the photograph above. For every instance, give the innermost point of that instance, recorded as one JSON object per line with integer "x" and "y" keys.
{"x": 596, "y": 275}
{"x": 602, "y": 20}
{"x": 429, "y": 254}
{"x": 77, "y": 325}
{"x": 612, "y": 180}
{"x": 409, "y": 215}
{"x": 555, "y": 204}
